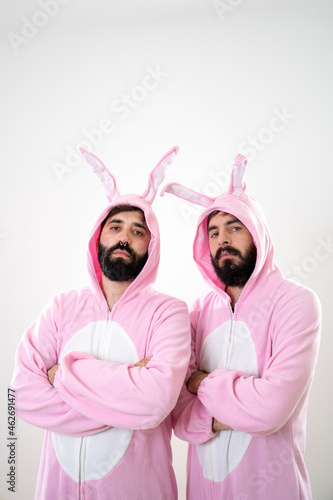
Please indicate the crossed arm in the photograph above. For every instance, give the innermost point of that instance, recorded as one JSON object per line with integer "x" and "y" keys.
{"x": 52, "y": 371}
{"x": 84, "y": 395}
{"x": 193, "y": 385}
{"x": 245, "y": 401}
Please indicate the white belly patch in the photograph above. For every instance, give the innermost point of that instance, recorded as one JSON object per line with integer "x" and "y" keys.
{"x": 228, "y": 347}
{"x": 92, "y": 457}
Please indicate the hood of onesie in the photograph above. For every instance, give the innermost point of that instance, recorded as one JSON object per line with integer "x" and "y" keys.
{"x": 149, "y": 272}
{"x": 239, "y": 204}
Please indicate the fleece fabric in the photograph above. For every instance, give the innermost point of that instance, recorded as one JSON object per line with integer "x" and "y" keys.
{"x": 107, "y": 422}
{"x": 260, "y": 358}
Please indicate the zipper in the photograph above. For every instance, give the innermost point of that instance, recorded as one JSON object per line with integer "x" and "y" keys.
{"x": 102, "y": 345}
{"x": 82, "y": 453}
{"x": 225, "y": 363}
{"x": 231, "y": 340}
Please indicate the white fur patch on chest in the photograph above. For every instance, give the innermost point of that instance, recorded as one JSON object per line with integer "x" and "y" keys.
{"x": 228, "y": 347}
{"x": 92, "y": 457}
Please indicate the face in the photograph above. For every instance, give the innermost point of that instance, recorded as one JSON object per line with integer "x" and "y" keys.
{"x": 233, "y": 252}
{"x": 123, "y": 246}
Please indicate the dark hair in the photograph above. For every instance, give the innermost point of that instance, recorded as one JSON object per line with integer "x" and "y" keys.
{"x": 212, "y": 214}
{"x": 122, "y": 208}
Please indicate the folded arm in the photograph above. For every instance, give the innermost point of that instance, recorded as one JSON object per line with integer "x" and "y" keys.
{"x": 125, "y": 395}
{"x": 52, "y": 371}
{"x": 261, "y": 406}
{"x": 191, "y": 421}
{"x": 193, "y": 385}
{"x": 37, "y": 401}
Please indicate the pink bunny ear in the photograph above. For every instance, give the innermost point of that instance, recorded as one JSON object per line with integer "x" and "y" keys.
{"x": 102, "y": 173}
{"x": 237, "y": 184}
{"x": 188, "y": 194}
{"x": 157, "y": 175}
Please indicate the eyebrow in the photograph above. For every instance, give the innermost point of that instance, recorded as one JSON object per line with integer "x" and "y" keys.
{"x": 120, "y": 221}
{"x": 232, "y": 221}
{"x": 137, "y": 224}
{"x": 228, "y": 223}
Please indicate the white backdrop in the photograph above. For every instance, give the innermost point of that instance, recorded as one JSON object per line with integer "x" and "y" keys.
{"x": 132, "y": 79}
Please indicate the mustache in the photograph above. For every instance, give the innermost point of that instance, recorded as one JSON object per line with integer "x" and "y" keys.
{"x": 228, "y": 249}
{"x": 119, "y": 247}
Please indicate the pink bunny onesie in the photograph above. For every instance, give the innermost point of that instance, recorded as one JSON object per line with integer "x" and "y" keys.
{"x": 108, "y": 423}
{"x": 260, "y": 359}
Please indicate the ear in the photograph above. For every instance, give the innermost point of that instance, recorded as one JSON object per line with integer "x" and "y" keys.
{"x": 102, "y": 173}
{"x": 237, "y": 184}
{"x": 157, "y": 175}
{"x": 188, "y": 194}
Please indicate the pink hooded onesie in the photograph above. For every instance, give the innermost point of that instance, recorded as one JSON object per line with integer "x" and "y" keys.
{"x": 260, "y": 358}
{"x": 108, "y": 423}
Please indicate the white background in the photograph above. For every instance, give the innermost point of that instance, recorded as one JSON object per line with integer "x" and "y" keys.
{"x": 224, "y": 76}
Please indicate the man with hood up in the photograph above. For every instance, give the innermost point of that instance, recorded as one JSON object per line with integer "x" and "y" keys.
{"x": 255, "y": 340}
{"x": 102, "y": 367}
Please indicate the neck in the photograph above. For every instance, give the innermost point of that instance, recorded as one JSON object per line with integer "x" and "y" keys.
{"x": 113, "y": 290}
{"x": 234, "y": 293}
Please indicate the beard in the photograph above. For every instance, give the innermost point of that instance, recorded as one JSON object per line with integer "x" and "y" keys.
{"x": 230, "y": 273}
{"x": 117, "y": 268}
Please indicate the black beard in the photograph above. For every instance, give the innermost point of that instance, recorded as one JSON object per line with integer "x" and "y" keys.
{"x": 117, "y": 269}
{"x": 231, "y": 274}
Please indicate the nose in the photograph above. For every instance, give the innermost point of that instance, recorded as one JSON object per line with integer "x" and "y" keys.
{"x": 124, "y": 238}
{"x": 223, "y": 239}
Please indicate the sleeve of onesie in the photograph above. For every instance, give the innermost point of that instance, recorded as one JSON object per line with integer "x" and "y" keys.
{"x": 37, "y": 402}
{"x": 126, "y": 396}
{"x": 191, "y": 421}
{"x": 261, "y": 406}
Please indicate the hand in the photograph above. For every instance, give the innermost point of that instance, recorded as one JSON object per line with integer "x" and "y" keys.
{"x": 51, "y": 373}
{"x": 218, "y": 426}
{"x": 195, "y": 380}
{"x": 144, "y": 361}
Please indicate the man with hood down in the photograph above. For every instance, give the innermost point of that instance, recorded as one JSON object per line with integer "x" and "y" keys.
{"x": 102, "y": 367}
{"x": 255, "y": 340}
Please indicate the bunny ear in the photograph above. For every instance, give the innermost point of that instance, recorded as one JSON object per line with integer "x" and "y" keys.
{"x": 156, "y": 177}
{"x": 188, "y": 194}
{"x": 237, "y": 184}
{"x": 102, "y": 173}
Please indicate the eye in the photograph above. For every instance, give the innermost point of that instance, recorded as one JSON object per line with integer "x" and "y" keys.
{"x": 235, "y": 228}
{"x": 137, "y": 232}
{"x": 214, "y": 235}
{"x": 114, "y": 228}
